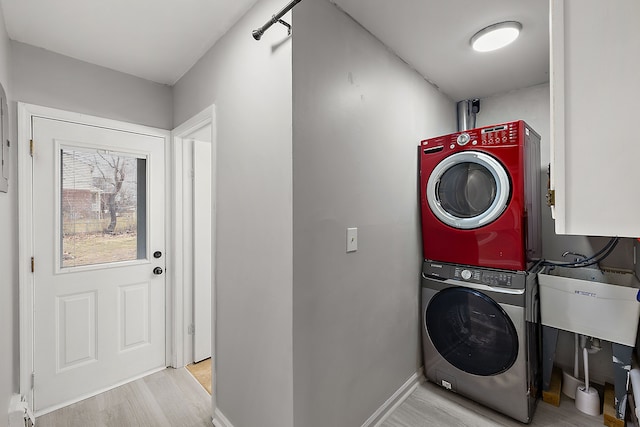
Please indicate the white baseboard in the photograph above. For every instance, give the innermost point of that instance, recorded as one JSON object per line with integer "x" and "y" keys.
{"x": 77, "y": 399}
{"x": 375, "y": 420}
{"x": 396, "y": 399}
{"x": 219, "y": 420}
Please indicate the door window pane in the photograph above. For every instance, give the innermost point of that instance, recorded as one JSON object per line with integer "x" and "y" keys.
{"x": 103, "y": 207}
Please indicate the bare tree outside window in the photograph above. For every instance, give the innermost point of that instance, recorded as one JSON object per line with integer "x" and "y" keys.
{"x": 113, "y": 171}
{"x": 99, "y": 207}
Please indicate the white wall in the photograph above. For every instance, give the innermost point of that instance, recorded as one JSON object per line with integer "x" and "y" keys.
{"x": 250, "y": 84}
{"x": 532, "y": 105}
{"x": 359, "y": 116}
{"x": 45, "y": 78}
{"x": 9, "y": 353}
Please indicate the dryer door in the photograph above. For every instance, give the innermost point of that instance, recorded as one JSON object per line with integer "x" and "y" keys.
{"x": 471, "y": 331}
{"x": 468, "y": 190}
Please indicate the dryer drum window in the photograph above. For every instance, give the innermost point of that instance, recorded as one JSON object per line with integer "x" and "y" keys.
{"x": 466, "y": 190}
{"x": 469, "y": 189}
{"x": 471, "y": 331}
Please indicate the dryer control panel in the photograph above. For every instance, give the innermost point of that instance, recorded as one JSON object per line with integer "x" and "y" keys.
{"x": 503, "y": 134}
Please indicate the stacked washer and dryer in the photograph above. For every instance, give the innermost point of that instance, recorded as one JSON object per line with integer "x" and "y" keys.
{"x": 480, "y": 200}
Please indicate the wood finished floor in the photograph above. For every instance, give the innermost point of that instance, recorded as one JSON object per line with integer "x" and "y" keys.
{"x": 201, "y": 371}
{"x": 174, "y": 398}
{"x": 432, "y": 406}
{"x": 170, "y": 398}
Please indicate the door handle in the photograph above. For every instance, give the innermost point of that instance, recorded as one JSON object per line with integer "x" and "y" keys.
{"x": 157, "y": 270}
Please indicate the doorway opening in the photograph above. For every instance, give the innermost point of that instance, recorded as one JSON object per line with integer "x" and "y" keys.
{"x": 194, "y": 160}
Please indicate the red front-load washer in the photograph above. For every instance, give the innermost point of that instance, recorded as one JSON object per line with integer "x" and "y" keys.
{"x": 480, "y": 197}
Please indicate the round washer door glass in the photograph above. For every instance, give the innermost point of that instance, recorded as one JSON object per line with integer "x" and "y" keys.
{"x": 471, "y": 331}
{"x": 468, "y": 190}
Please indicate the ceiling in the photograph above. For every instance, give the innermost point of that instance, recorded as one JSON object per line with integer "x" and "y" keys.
{"x": 160, "y": 40}
{"x": 433, "y": 37}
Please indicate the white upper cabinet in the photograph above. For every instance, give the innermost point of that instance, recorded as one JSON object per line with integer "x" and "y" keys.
{"x": 595, "y": 116}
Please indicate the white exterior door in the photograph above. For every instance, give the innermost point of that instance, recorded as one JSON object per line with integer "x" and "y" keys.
{"x": 99, "y": 282}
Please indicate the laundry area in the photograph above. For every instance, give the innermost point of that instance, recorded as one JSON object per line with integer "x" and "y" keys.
{"x": 492, "y": 307}
{"x": 494, "y": 300}
{"x": 319, "y": 213}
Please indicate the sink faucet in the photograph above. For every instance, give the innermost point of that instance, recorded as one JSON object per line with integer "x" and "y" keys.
{"x": 579, "y": 257}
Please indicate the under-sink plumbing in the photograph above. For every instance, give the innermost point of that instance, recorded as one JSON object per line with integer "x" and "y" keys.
{"x": 579, "y": 257}
{"x": 585, "y": 261}
{"x": 594, "y": 344}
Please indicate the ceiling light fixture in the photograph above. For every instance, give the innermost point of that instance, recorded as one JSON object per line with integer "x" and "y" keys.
{"x": 495, "y": 36}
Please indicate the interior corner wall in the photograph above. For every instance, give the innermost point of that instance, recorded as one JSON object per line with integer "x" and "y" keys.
{"x": 49, "y": 79}
{"x": 9, "y": 321}
{"x": 359, "y": 115}
{"x": 249, "y": 82}
{"x": 532, "y": 105}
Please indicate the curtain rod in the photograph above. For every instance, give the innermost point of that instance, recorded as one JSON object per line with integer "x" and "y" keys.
{"x": 257, "y": 34}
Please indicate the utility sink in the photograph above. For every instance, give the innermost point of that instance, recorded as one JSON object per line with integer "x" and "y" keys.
{"x": 591, "y": 302}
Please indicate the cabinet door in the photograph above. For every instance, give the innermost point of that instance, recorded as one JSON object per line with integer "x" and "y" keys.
{"x": 595, "y": 105}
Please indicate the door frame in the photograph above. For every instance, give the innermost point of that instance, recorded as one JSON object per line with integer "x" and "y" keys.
{"x": 26, "y": 238}
{"x": 183, "y": 308}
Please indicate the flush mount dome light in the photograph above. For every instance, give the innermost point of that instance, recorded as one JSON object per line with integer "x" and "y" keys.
{"x": 495, "y": 36}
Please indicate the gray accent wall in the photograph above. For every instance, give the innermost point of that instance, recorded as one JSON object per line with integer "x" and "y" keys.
{"x": 359, "y": 114}
{"x": 250, "y": 84}
{"x": 46, "y": 78}
{"x": 9, "y": 340}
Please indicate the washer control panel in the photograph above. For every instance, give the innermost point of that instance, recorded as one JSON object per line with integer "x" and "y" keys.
{"x": 442, "y": 271}
{"x": 484, "y": 277}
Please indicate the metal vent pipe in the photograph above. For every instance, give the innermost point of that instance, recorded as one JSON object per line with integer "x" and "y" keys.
{"x": 467, "y": 111}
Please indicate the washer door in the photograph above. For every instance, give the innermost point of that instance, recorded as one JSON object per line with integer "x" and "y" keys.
{"x": 468, "y": 190}
{"x": 471, "y": 331}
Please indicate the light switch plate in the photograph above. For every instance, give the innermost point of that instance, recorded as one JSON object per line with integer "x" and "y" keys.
{"x": 352, "y": 239}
